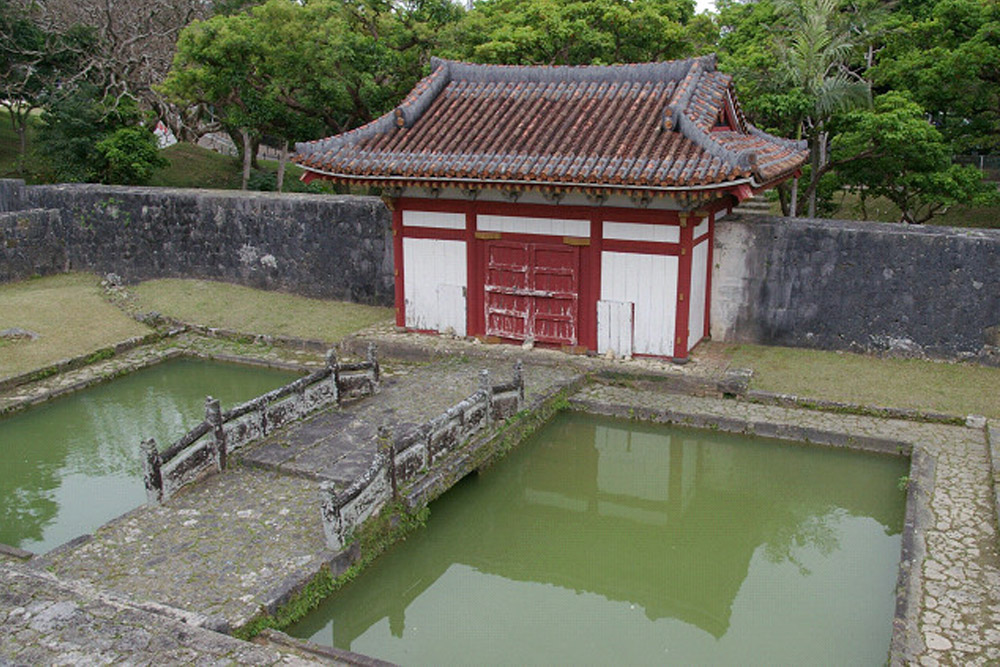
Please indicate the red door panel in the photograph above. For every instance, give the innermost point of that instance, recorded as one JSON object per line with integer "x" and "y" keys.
{"x": 532, "y": 291}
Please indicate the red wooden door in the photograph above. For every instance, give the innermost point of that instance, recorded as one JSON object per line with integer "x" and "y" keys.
{"x": 532, "y": 291}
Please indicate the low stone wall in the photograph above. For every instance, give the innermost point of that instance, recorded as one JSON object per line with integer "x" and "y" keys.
{"x": 866, "y": 286}
{"x": 315, "y": 245}
{"x": 404, "y": 459}
{"x": 203, "y": 450}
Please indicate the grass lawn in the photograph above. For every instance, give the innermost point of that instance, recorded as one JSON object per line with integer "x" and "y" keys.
{"x": 953, "y": 388}
{"x": 881, "y": 209}
{"x": 70, "y": 315}
{"x": 196, "y": 167}
{"x": 256, "y": 311}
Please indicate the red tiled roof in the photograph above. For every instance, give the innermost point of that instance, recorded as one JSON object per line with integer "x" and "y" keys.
{"x": 625, "y": 128}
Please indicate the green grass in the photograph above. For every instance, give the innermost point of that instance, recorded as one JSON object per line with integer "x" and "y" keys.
{"x": 881, "y": 209}
{"x": 952, "y": 388}
{"x": 196, "y": 167}
{"x": 70, "y": 315}
{"x": 256, "y": 311}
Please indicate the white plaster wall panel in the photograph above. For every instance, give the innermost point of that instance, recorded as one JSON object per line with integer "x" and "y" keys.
{"x": 650, "y": 282}
{"x": 635, "y": 231}
{"x": 434, "y": 219}
{"x": 614, "y": 327}
{"x": 428, "y": 263}
{"x": 520, "y": 225}
{"x": 699, "y": 284}
{"x": 719, "y": 215}
{"x": 451, "y": 303}
{"x": 702, "y": 228}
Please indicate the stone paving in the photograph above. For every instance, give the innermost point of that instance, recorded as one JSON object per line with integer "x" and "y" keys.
{"x": 955, "y": 619}
{"x": 47, "y": 621}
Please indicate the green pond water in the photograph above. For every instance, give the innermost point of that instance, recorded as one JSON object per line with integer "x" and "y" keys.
{"x": 73, "y": 464}
{"x": 609, "y": 542}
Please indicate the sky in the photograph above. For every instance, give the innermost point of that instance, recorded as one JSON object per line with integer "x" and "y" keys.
{"x": 704, "y": 6}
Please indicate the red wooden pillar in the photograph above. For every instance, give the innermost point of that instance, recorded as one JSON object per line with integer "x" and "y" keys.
{"x": 683, "y": 311}
{"x": 708, "y": 278}
{"x": 592, "y": 279}
{"x": 474, "y": 279}
{"x": 397, "y": 262}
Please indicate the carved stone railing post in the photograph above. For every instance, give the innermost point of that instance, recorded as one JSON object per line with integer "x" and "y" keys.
{"x": 388, "y": 450}
{"x": 486, "y": 387}
{"x": 151, "y": 475}
{"x": 330, "y": 514}
{"x": 213, "y": 415}
{"x": 376, "y": 371}
{"x": 334, "y": 366}
{"x": 519, "y": 381}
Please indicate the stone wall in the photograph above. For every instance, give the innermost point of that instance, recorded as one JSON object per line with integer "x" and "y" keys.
{"x": 315, "y": 245}
{"x": 29, "y": 243}
{"x": 904, "y": 289}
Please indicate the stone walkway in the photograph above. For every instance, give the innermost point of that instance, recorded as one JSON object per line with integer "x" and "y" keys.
{"x": 47, "y": 621}
{"x": 954, "y": 613}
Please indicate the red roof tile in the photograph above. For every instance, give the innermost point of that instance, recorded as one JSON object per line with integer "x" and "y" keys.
{"x": 642, "y": 127}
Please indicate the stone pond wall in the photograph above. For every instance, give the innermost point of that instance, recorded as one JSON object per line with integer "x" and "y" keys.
{"x": 904, "y": 289}
{"x": 323, "y": 246}
{"x": 814, "y": 283}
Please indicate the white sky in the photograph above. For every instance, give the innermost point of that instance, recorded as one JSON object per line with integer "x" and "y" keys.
{"x": 704, "y": 6}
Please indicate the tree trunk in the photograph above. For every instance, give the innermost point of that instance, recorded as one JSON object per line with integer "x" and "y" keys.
{"x": 814, "y": 175}
{"x": 281, "y": 164}
{"x": 256, "y": 148}
{"x": 247, "y": 154}
{"x": 793, "y": 203}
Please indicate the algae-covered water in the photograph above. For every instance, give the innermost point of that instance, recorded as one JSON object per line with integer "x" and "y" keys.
{"x": 69, "y": 466}
{"x": 609, "y": 542}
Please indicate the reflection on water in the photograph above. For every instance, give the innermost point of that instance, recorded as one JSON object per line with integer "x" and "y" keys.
{"x": 73, "y": 464}
{"x": 603, "y": 541}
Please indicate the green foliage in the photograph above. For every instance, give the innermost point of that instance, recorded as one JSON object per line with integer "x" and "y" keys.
{"x": 900, "y": 156}
{"x": 579, "y": 32}
{"x": 35, "y": 63}
{"x": 129, "y": 156}
{"x": 946, "y": 54}
{"x": 85, "y": 142}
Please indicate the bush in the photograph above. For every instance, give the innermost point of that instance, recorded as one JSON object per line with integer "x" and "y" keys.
{"x": 130, "y": 156}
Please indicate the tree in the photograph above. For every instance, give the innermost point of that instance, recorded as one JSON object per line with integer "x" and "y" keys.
{"x": 892, "y": 151}
{"x": 33, "y": 65}
{"x": 85, "y": 141}
{"x": 814, "y": 61}
{"x": 132, "y": 46}
{"x": 298, "y": 71}
{"x": 580, "y": 32}
{"x": 946, "y": 54}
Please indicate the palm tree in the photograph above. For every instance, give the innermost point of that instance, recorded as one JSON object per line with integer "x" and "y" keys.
{"x": 814, "y": 59}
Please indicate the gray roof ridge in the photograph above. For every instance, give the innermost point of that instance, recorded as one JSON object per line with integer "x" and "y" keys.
{"x": 630, "y": 72}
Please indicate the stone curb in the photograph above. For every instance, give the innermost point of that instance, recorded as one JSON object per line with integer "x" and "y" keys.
{"x": 745, "y": 426}
{"x": 993, "y": 450}
{"x": 86, "y": 359}
{"x": 165, "y": 355}
{"x": 14, "y": 552}
{"x": 793, "y": 401}
{"x": 290, "y": 342}
{"x": 277, "y": 639}
{"x": 907, "y": 641}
